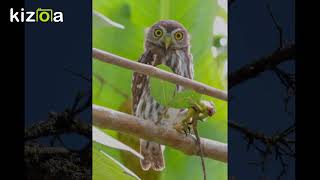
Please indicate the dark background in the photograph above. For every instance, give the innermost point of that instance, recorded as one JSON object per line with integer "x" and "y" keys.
{"x": 52, "y": 50}
{"x": 12, "y": 88}
{"x": 258, "y": 103}
{"x": 57, "y": 63}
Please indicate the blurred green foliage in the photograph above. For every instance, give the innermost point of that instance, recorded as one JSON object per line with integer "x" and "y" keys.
{"x": 112, "y": 84}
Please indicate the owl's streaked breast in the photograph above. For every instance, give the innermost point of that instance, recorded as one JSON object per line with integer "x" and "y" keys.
{"x": 147, "y": 107}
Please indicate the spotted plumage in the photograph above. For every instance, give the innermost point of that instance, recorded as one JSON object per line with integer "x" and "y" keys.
{"x": 167, "y": 42}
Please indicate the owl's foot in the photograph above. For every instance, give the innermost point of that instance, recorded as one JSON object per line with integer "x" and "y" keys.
{"x": 184, "y": 126}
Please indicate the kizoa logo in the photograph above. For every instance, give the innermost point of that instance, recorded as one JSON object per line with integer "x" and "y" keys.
{"x": 41, "y": 15}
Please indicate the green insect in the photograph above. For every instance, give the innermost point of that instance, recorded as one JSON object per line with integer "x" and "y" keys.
{"x": 198, "y": 110}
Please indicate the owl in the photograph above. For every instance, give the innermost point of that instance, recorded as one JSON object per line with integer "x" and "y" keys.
{"x": 167, "y": 42}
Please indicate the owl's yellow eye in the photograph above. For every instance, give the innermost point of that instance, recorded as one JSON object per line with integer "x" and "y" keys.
{"x": 178, "y": 35}
{"x": 157, "y": 33}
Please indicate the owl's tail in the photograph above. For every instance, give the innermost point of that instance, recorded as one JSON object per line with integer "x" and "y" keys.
{"x": 153, "y": 155}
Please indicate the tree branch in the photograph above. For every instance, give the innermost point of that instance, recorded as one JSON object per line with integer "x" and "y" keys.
{"x": 125, "y": 123}
{"x": 31, "y": 148}
{"x": 64, "y": 122}
{"x": 156, "y": 72}
{"x": 43, "y": 162}
{"x": 57, "y": 123}
{"x": 265, "y": 63}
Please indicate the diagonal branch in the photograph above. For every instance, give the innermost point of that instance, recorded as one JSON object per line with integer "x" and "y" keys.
{"x": 265, "y": 63}
{"x": 156, "y": 72}
{"x": 57, "y": 124}
{"x": 125, "y": 123}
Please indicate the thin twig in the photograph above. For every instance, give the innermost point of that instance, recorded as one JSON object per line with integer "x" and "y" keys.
{"x": 279, "y": 28}
{"x": 196, "y": 133}
{"x": 114, "y": 88}
{"x": 278, "y": 142}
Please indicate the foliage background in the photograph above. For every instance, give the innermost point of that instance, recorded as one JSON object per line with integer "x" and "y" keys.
{"x": 205, "y": 20}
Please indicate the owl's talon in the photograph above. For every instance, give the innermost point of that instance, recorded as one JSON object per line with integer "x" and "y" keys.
{"x": 185, "y": 132}
{"x": 183, "y": 127}
{"x": 180, "y": 128}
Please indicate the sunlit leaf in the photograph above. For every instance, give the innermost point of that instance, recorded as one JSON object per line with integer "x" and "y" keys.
{"x": 106, "y": 167}
{"x": 103, "y": 138}
{"x": 105, "y": 20}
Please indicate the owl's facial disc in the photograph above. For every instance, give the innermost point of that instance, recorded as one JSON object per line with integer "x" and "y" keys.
{"x": 167, "y": 35}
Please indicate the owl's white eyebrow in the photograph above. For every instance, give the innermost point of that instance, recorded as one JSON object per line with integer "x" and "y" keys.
{"x": 163, "y": 29}
{"x": 179, "y": 29}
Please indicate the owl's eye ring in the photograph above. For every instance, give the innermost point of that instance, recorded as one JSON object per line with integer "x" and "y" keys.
{"x": 178, "y": 35}
{"x": 157, "y": 33}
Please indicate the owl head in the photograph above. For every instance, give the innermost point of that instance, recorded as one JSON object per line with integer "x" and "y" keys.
{"x": 168, "y": 35}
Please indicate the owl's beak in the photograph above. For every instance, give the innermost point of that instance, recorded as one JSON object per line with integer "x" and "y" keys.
{"x": 167, "y": 41}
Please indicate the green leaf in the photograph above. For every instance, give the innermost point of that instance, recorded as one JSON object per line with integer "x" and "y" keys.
{"x": 162, "y": 91}
{"x": 184, "y": 99}
{"x": 106, "y": 167}
{"x": 105, "y": 20}
{"x": 103, "y": 138}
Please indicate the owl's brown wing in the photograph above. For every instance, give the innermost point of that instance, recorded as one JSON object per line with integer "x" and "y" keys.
{"x": 139, "y": 81}
{"x": 189, "y": 61}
